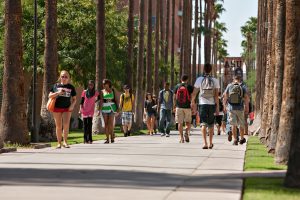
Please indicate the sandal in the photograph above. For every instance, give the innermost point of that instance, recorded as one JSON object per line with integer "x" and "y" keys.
{"x": 186, "y": 137}
{"x": 106, "y": 142}
{"x": 211, "y": 146}
{"x": 58, "y": 146}
{"x": 66, "y": 146}
{"x": 204, "y": 147}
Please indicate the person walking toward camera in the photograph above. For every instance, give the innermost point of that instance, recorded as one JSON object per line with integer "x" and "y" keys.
{"x": 165, "y": 106}
{"x": 126, "y": 106}
{"x": 87, "y": 108}
{"x": 182, "y": 106}
{"x": 150, "y": 107}
{"x": 65, "y": 94}
{"x": 208, "y": 88}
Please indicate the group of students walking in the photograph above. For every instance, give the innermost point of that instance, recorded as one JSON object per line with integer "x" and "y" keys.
{"x": 185, "y": 101}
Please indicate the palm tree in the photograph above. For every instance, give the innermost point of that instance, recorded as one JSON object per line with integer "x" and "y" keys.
{"x": 50, "y": 68}
{"x": 149, "y": 84}
{"x": 130, "y": 43}
{"x": 156, "y": 56}
{"x": 140, "y": 70}
{"x": 162, "y": 28}
{"x": 13, "y": 124}
{"x": 200, "y": 38}
{"x": 172, "y": 44}
{"x": 166, "y": 53}
{"x": 194, "y": 70}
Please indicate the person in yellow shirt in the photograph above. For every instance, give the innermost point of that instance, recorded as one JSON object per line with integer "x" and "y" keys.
{"x": 126, "y": 106}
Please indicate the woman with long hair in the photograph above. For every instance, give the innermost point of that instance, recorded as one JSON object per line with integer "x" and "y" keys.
{"x": 65, "y": 95}
{"x": 87, "y": 107}
{"x": 108, "y": 107}
{"x": 149, "y": 112}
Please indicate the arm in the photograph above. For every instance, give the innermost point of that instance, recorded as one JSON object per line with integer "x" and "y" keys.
{"x": 194, "y": 94}
{"x": 73, "y": 100}
{"x": 217, "y": 101}
{"x": 55, "y": 94}
{"x": 121, "y": 102}
{"x": 225, "y": 98}
{"x": 100, "y": 101}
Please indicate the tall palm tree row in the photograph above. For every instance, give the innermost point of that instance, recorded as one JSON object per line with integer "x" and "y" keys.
{"x": 173, "y": 44}
{"x": 149, "y": 79}
{"x": 13, "y": 125}
{"x": 157, "y": 46}
{"x": 130, "y": 24}
{"x": 195, "y": 32}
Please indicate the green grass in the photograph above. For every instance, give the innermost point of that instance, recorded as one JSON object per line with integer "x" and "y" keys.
{"x": 268, "y": 189}
{"x": 18, "y": 146}
{"x": 76, "y": 136}
{"x": 257, "y": 159}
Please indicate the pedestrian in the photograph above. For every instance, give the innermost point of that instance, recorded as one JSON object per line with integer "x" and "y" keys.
{"x": 126, "y": 106}
{"x": 87, "y": 108}
{"x": 219, "y": 118}
{"x": 109, "y": 108}
{"x": 156, "y": 121}
{"x": 150, "y": 108}
{"x": 208, "y": 88}
{"x": 182, "y": 107}
{"x": 65, "y": 95}
{"x": 238, "y": 105}
{"x": 165, "y": 106}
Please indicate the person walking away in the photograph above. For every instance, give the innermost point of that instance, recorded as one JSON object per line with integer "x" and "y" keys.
{"x": 219, "y": 118}
{"x": 182, "y": 107}
{"x": 87, "y": 108}
{"x": 126, "y": 106}
{"x": 238, "y": 105}
{"x": 149, "y": 112}
{"x": 108, "y": 107}
{"x": 65, "y": 95}
{"x": 165, "y": 106}
{"x": 208, "y": 88}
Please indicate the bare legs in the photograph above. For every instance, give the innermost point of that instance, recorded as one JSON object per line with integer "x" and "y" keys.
{"x": 109, "y": 127}
{"x": 204, "y": 133}
{"x": 150, "y": 124}
{"x": 62, "y": 123}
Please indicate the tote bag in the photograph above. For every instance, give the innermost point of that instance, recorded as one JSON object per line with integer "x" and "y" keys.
{"x": 51, "y": 104}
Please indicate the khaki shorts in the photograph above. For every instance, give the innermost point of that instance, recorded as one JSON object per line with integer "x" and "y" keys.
{"x": 237, "y": 118}
{"x": 183, "y": 115}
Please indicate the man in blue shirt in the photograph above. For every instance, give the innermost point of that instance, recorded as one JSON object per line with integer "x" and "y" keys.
{"x": 165, "y": 105}
{"x": 238, "y": 105}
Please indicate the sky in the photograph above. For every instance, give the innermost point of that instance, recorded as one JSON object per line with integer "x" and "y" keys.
{"x": 236, "y": 14}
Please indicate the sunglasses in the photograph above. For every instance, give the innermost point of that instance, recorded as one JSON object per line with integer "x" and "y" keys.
{"x": 64, "y": 77}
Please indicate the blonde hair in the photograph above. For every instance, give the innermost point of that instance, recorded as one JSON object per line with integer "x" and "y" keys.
{"x": 64, "y": 72}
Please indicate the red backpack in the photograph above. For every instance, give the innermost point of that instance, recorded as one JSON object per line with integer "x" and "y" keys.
{"x": 183, "y": 96}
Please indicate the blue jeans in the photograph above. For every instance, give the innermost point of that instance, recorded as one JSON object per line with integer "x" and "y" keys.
{"x": 165, "y": 121}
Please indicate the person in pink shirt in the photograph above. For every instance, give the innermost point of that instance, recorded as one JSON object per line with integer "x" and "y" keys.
{"x": 87, "y": 107}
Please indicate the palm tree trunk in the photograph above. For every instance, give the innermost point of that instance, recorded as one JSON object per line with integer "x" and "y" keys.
{"x": 200, "y": 40}
{"x": 47, "y": 127}
{"x": 13, "y": 123}
{"x": 162, "y": 29}
{"x": 149, "y": 83}
{"x": 156, "y": 79}
{"x": 140, "y": 70}
{"x": 129, "y": 73}
{"x": 279, "y": 66}
{"x": 173, "y": 44}
{"x": 166, "y": 56}
{"x": 194, "y": 68}
{"x": 288, "y": 107}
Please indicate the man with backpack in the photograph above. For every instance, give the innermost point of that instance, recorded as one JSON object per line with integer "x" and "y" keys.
{"x": 208, "y": 88}
{"x": 165, "y": 105}
{"x": 182, "y": 106}
{"x": 126, "y": 106}
{"x": 238, "y": 105}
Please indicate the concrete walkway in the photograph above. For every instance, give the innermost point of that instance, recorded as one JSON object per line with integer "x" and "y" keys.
{"x": 142, "y": 167}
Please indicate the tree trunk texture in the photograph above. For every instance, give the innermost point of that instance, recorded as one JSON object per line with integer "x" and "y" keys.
{"x": 162, "y": 28}
{"x": 166, "y": 56}
{"x": 156, "y": 56}
{"x": 149, "y": 82}
{"x": 184, "y": 40}
{"x": 140, "y": 70}
{"x": 47, "y": 126}
{"x": 13, "y": 123}
{"x": 200, "y": 39}
{"x": 263, "y": 131}
{"x": 279, "y": 66}
{"x": 196, "y": 21}
{"x": 173, "y": 44}
{"x": 130, "y": 62}
{"x": 287, "y": 115}
{"x": 207, "y": 36}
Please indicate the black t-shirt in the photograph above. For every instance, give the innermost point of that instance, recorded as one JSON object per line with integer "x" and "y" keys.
{"x": 149, "y": 106}
{"x": 190, "y": 90}
{"x": 64, "y": 100}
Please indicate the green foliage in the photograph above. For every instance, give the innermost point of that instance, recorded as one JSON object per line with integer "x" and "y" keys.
{"x": 251, "y": 79}
{"x": 257, "y": 157}
{"x": 268, "y": 189}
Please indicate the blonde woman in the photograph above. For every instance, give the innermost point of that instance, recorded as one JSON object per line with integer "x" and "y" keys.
{"x": 65, "y": 95}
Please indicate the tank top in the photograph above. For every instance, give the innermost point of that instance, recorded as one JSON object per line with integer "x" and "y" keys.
{"x": 108, "y": 102}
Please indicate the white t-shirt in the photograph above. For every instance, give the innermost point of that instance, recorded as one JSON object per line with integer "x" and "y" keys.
{"x": 202, "y": 100}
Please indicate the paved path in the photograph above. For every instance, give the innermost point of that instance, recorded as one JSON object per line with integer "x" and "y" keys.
{"x": 142, "y": 167}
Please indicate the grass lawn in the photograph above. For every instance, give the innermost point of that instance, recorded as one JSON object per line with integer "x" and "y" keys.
{"x": 257, "y": 159}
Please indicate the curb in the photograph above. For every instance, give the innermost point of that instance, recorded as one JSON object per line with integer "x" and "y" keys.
{"x": 8, "y": 150}
{"x": 40, "y": 145}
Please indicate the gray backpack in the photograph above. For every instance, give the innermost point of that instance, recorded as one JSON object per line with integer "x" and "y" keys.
{"x": 207, "y": 87}
{"x": 236, "y": 94}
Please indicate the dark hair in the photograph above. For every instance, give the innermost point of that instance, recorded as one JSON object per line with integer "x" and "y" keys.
{"x": 91, "y": 82}
{"x": 150, "y": 95}
{"x": 106, "y": 81}
{"x": 167, "y": 83}
{"x": 184, "y": 77}
{"x": 207, "y": 68}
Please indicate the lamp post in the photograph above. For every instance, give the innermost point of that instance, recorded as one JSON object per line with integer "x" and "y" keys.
{"x": 34, "y": 129}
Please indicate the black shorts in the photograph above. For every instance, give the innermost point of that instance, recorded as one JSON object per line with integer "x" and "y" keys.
{"x": 218, "y": 120}
{"x": 206, "y": 113}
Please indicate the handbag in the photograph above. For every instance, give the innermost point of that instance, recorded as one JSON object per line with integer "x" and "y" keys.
{"x": 51, "y": 104}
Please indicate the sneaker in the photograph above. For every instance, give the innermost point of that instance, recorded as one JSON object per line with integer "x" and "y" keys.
{"x": 229, "y": 136}
{"x": 235, "y": 143}
{"x": 162, "y": 134}
{"x": 242, "y": 141}
{"x": 167, "y": 135}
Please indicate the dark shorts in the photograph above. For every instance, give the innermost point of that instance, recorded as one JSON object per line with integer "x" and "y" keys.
{"x": 224, "y": 119}
{"x": 218, "y": 119}
{"x": 206, "y": 113}
{"x": 61, "y": 110}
